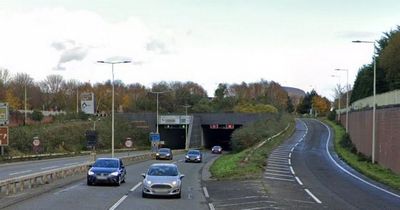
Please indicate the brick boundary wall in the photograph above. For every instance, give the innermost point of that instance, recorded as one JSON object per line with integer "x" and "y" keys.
{"x": 387, "y": 134}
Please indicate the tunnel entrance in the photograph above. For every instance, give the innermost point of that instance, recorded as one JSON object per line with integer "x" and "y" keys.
{"x": 173, "y": 136}
{"x": 218, "y": 135}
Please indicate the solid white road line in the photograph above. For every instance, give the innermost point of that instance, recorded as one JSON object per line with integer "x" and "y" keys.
{"x": 118, "y": 203}
{"x": 136, "y": 186}
{"x": 348, "y": 172}
{"x": 275, "y": 174}
{"x": 50, "y": 167}
{"x": 20, "y": 172}
{"x": 291, "y": 169}
{"x": 206, "y": 192}
{"x": 313, "y": 196}
{"x": 298, "y": 180}
{"x": 211, "y": 206}
{"x": 280, "y": 179}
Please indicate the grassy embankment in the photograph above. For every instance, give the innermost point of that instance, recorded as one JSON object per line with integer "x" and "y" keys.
{"x": 234, "y": 166}
{"x": 360, "y": 163}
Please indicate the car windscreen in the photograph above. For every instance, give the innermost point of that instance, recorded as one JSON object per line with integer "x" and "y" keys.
{"x": 194, "y": 153}
{"x": 163, "y": 171}
{"x": 106, "y": 163}
{"x": 164, "y": 150}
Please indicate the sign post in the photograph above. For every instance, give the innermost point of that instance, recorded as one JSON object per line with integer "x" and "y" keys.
{"x": 3, "y": 138}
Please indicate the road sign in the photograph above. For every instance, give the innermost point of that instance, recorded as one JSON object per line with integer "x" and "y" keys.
{"x": 3, "y": 113}
{"x": 4, "y": 136}
{"x": 154, "y": 137}
{"x": 36, "y": 141}
{"x": 128, "y": 142}
{"x": 88, "y": 103}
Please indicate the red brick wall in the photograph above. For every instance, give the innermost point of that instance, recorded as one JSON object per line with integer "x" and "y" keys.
{"x": 387, "y": 135}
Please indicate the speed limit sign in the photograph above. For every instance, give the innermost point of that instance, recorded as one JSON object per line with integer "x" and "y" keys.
{"x": 128, "y": 142}
{"x": 36, "y": 141}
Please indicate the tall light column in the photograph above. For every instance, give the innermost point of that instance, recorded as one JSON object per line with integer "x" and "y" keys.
{"x": 340, "y": 94}
{"x": 186, "y": 127}
{"x": 112, "y": 106}
{"x": 347, "y": 97}
{"x": 374, "y": 100}
{"x": 157, "y": 93}
{"x": 25, "y": 114}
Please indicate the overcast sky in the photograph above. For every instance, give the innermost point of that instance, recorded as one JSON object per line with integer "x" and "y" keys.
{"x": 297, "y": 43}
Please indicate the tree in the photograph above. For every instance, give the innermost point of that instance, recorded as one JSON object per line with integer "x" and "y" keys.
{"x": 37, "y": 116}
{"x": 390, "y": 60}
{"x": 321, "y": 105}
{"x": 305, "y": 105}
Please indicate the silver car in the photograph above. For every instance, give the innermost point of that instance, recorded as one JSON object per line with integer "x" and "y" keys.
{"x": 162, "y": 179}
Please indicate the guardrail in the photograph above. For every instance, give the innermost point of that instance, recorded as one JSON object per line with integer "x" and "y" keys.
{"x": 19, "y": 184}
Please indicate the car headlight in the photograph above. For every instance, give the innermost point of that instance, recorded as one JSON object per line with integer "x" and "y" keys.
{"x": 187, "y": 156}
{"x": 90, "y": 173}
{"x": 148, "y": 182}
{"x": 168, "y": 154}
{"x": 158, "y": 154}
{"x": 198, "y": 157}
{"x": 174, "y": 183}
{"x": 114, "y": 173}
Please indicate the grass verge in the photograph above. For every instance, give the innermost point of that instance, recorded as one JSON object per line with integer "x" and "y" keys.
{"x": 232, "y": 166}
{"x": 360, "y": 163}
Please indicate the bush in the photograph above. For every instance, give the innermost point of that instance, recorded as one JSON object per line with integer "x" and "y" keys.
{"x": 37, "y": 116}
{"x": 332, "y": 115}
{"x": 347, "y": 143}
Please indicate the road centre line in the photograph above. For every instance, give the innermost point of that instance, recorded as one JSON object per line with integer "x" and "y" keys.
{"x": 298, "y": 180}
{"x": 211, "y": 206}
{"x": 206, "y": 192}
{"x": 136, "y": 186}
{"x": 275, "y": 174}
{"x": 20, "y": 172}
{"x": 118, "y": 203}
{"x": 348, "y": 172}
{"x": 313, "y": 196}
{"x": 291, "y": 169}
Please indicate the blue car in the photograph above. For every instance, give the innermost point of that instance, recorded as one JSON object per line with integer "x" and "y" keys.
{"x": 106, "y": 170}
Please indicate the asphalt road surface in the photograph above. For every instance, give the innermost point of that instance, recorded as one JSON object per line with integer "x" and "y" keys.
{"x": 126, "y": 196}
{"x": 10, "y": 170}
{"x": 305, "y": 173}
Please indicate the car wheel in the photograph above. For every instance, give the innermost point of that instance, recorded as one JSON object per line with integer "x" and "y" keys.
{"x": 89, "y": 183}
{"x": 178, "y": 195}
{"x": 144, "y": 195}
{"x": 118, "y": 182}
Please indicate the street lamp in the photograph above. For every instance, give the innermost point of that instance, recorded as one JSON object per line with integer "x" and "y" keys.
{"x": 340, "y": 94}
{"x": 186, "y": 127}
{"x": 112, "y": 106}
{"x": 374, "y": 99}
{"x": 157, "y": 93}
{"x": 347, "y": 97}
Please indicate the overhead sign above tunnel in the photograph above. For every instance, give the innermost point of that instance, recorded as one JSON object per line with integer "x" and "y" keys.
{"x": 174, "y": 119}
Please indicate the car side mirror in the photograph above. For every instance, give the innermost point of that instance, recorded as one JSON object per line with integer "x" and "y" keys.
{"x": 143, "y": 175}
{"x": 89, "y": 166}
{"x": 181, "y": 176}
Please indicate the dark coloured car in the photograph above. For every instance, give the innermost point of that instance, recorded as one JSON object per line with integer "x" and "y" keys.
{"x": 216, "y": 150}
{"x": 193, "y": 156}
{"x": 164, "y": 153}
{"x": 106, "y": 170}
{"x": 162, "y": 179}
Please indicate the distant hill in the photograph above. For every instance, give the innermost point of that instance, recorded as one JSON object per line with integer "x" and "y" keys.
{"x": 295, "y": 94}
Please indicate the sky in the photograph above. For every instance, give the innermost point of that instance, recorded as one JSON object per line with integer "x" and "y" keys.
{"x": 297, "y": 43}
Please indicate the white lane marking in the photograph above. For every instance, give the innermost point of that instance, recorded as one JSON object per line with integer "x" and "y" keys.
{"x": 291, "y": 169}
{"x": 70, "y": 164}
{"x": 298, "y": 180}
{"x": 206, "y": 192}
{"x": 211, "y": 206}
{"x": 290, "y": 162}
{"x": 20, "y": 172}
{"x": 348, "y": 172}
{"x": 50, "y": 167}
{"x": 136, "y": 186}
{"x": 313, "y": 196}
{"x": 246, "y": 197}
{"x": 245, "y": 203}
{"x": 277, "y": 158}
{"x": 296, "y": 144}
{"x": 275, "y": 174}
{"x": 280, "y": 179}
{"x": 118, "y": 203}
{"x": 290, "y": 155}
{"x": 277, "y": 161}
{"x": 292, "y": 149}
{"x": 277, "y": 165}
{"x": 278, "y": 171}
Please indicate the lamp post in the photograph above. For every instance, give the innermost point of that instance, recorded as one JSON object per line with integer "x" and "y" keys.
{"x": 347, "y": 97}
{"x": 340, "y": 94}
{"x": 186, "y": 127}
{"x": 112, "y": 106}
{"x": 157, "y": 93}
{"x": 374, "y": 100}
{"x": 25, "y": 114}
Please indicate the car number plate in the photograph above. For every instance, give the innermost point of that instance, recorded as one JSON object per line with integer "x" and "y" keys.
{"x": 101, "y": 177}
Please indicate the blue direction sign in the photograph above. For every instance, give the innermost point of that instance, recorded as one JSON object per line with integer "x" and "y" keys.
{"x": 154, "y": 137}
